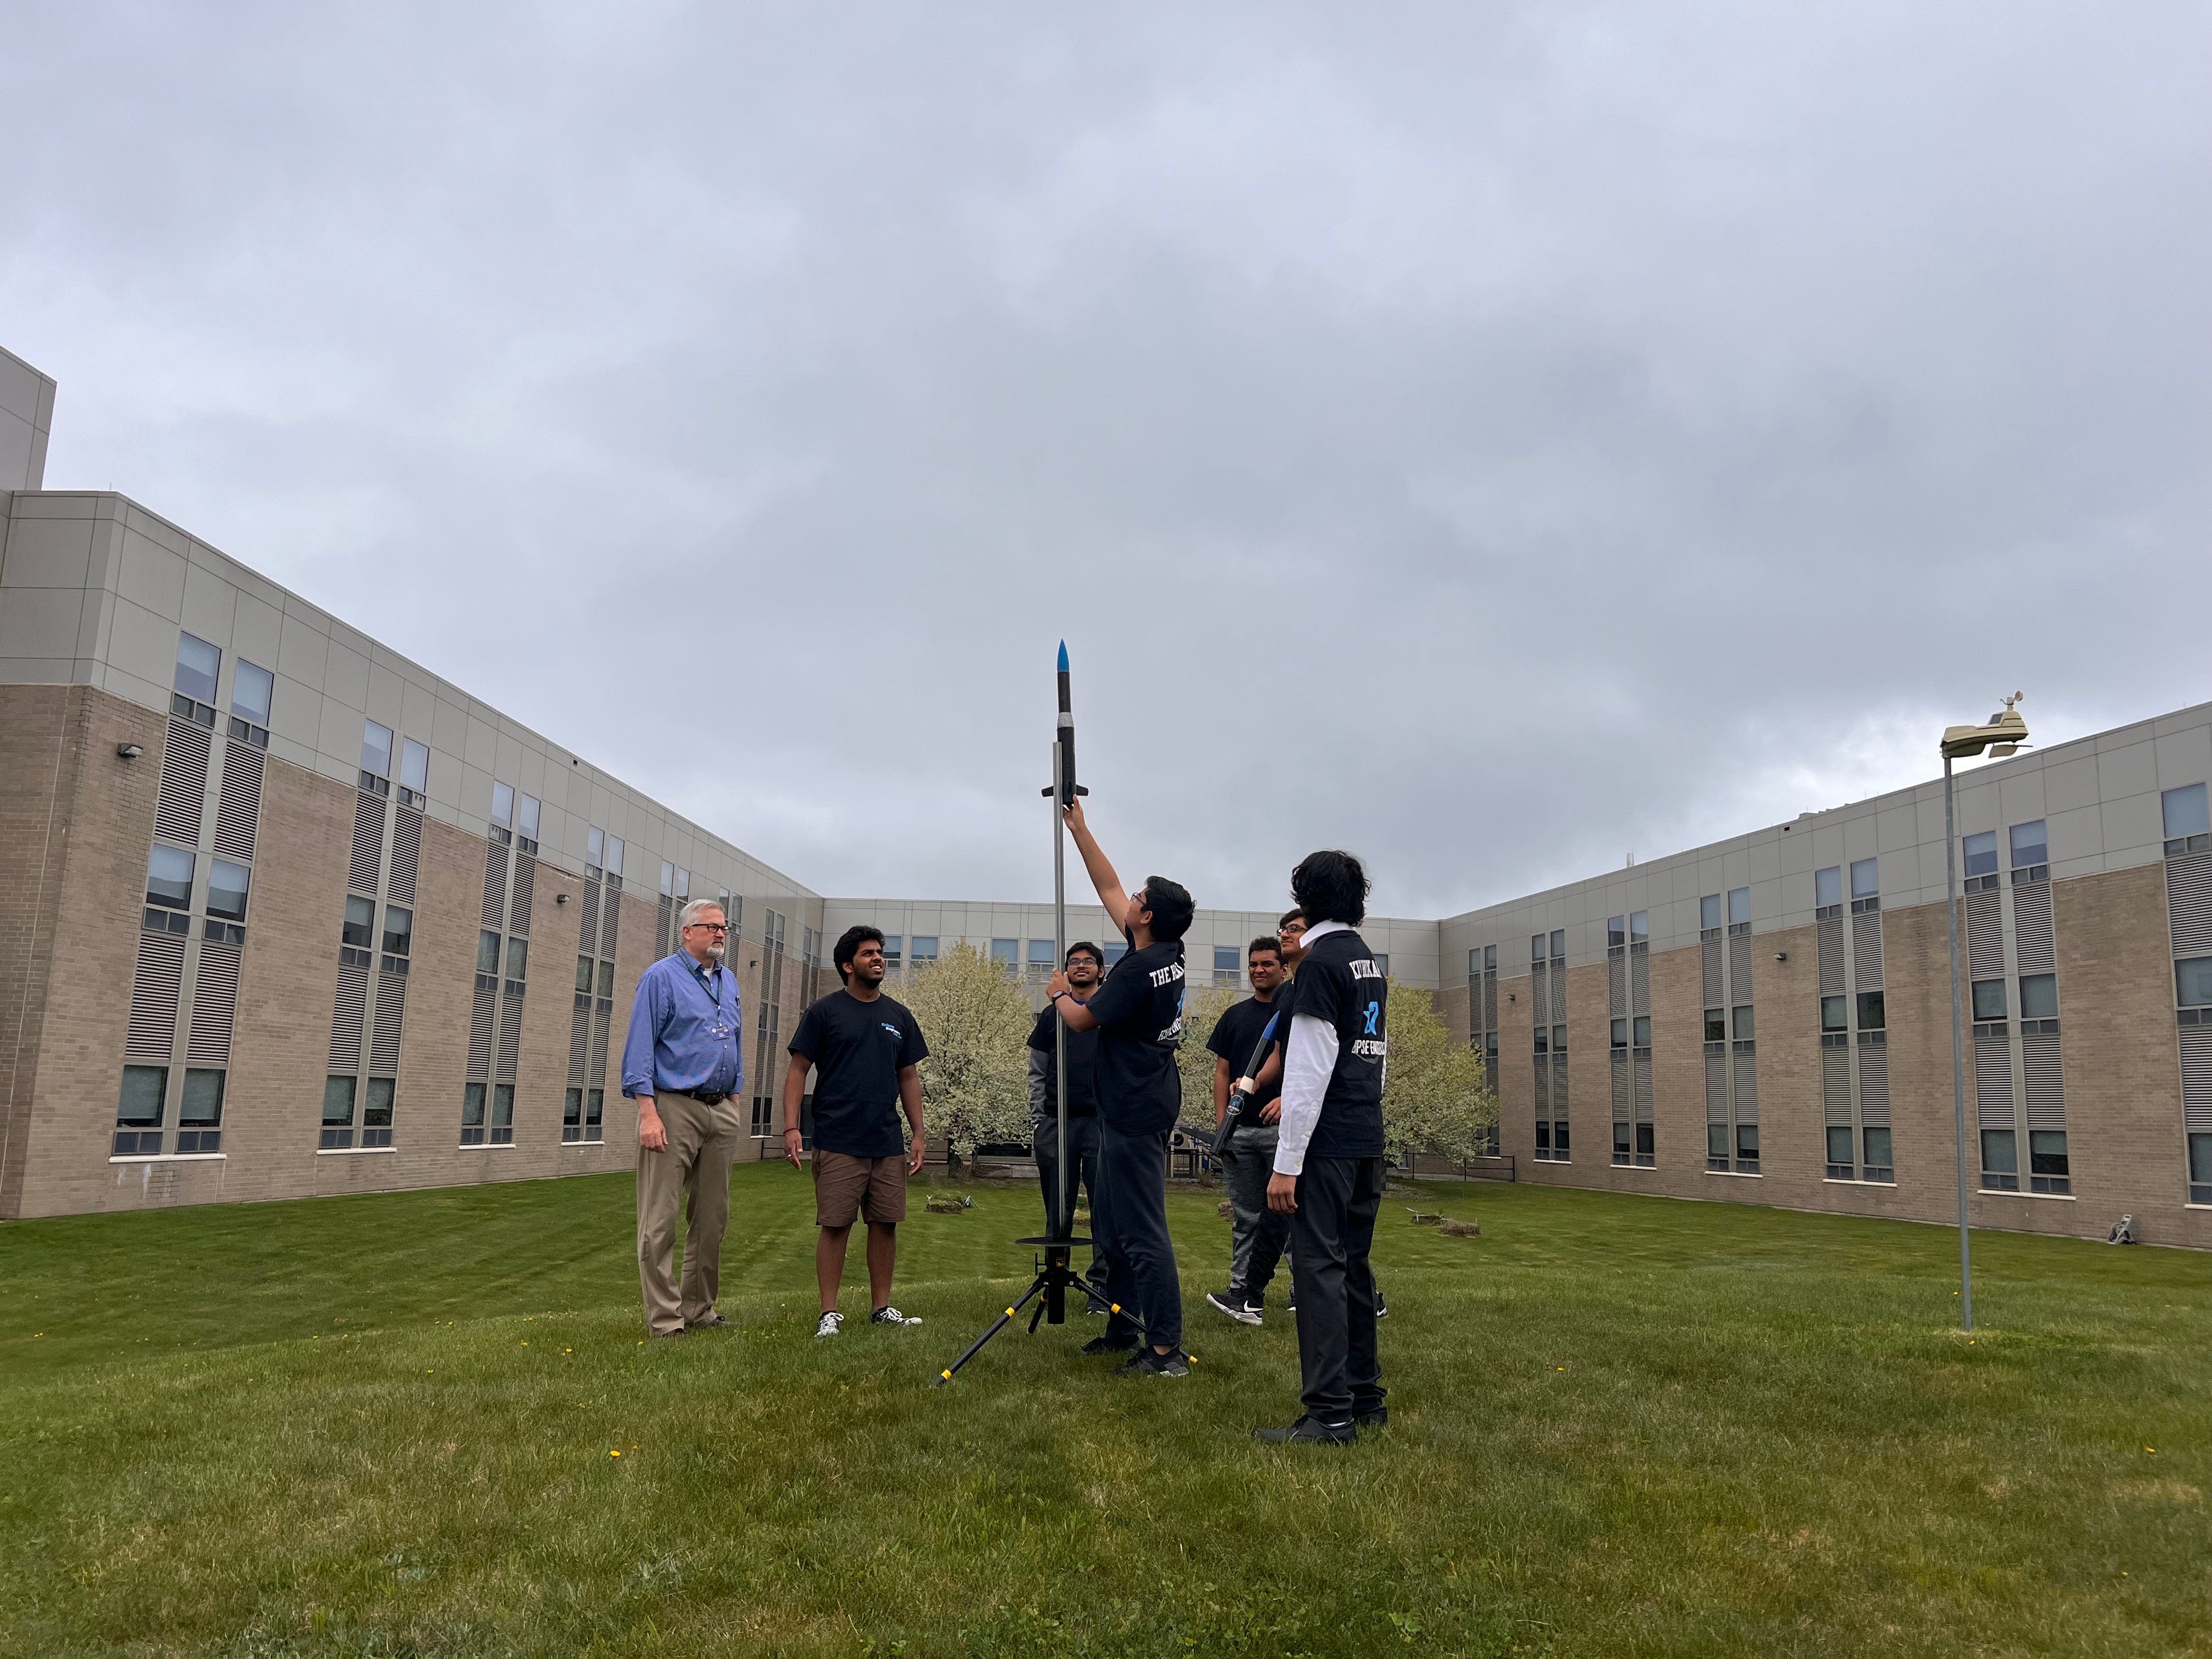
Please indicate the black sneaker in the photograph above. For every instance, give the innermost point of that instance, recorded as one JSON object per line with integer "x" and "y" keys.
{"x": 1149, "y": 1362}
{"x": 1378, "y": 1418}
{"x": 1233, "y": 1302}
{"x": 1381, "y": 1312}
{"x": 1098, "y": 1345}
{"x": 888, "y": 1315}
{"x": 1311, "y": 1430}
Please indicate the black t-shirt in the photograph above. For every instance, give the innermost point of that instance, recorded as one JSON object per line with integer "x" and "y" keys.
{"x": 1234, "y": 1036}
{"x": 1139, "y": 1014}
{"x": 1341, "y": 984}
{"x": 1082, "y": 1066}
{"x": 858, "y": 1048}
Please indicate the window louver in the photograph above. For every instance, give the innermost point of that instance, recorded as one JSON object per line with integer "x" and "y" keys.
{"x": 1866, "y": 951}
{"x": 1643, "y": 1088}
{"x": 494, "y": 889}
{"x": 390, "y": 1006}
{"x": 2196, "y": 1079}
{"x": 2189, "y": 903}
{"x": 1747, "y": 1088}
{"x": 601, "y": 1019}
{"x": 525, "y": 894}
{"x": 215, "y": 1005}
{"x": 510, "y": 1032}
{"x": 367, "y": 862}
{"x": 1835, "y": 1087}
{"x": 183, "y": 797}
{"x": 2046, "y": 1082}
{"x": 1622, "y": 1103}
{"x": 1993, "y": 1082}
{"x": 238, "y": 807}
{"x": 406, "y": 854}
{"x": 480, "y": 1027}
{"x": 1543, "y": 1085}
{"x": 1716, "y": 1089}
{"x": 1739, "y": 951}
{"x": 1616, "y": 986}
{"x": 611, "y": 924}
{"x": 2034, "y": 940}
{"x": 150, "y": 1039}
{"x": 1559, "y": 1086}
{"x": 579, "y": 1039}
{"x": 587, "y": 924}
{"x": 1714, "y": 994}
{"x": 1639, "y": 979}
{"x": 348, "y": 1018}
{"x": 1540, "y": 996}
{"x": 1558, "y": 990}
{"x": 1984, "y": 937}
{"x": 1831, "y": 957}
{"x": 1874, "y": 1085}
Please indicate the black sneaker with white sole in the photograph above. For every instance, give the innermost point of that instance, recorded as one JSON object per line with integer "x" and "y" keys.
{"x": 888, "y": 1315}
{"x": 1311, "y": 1430}
{"x": 1149, "y": 1362}
{"x": 1234, "y": 1302}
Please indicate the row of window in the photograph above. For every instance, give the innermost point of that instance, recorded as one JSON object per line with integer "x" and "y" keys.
{"x": 252, "y": 690}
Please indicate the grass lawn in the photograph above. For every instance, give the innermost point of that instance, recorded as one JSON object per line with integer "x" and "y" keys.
{"x": 386, "y": 1425}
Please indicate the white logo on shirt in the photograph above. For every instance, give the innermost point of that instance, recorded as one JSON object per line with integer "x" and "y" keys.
{"x": 1365, "y": 967}
{"x": 1167, "y": 976}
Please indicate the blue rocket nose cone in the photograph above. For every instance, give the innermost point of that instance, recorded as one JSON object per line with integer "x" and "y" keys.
{"x": 1063, "y": 656}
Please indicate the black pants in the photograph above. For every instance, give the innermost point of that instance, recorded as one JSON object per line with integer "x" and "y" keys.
{"x": 1129, "y": 1215}
{"x": 1083, "y": 1152}
{"x": 1331, "y": 1232}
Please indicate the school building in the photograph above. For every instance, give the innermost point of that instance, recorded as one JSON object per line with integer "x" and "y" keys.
{"x": 282, "y": 912}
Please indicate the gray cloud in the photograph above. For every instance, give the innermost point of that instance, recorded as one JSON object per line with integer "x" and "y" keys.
{"x": 1495, "y": 442}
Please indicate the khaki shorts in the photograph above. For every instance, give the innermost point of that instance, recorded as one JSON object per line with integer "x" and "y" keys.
{"x": 842, "y": 1182}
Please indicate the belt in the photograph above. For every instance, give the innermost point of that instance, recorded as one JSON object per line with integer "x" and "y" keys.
{"x": 704, "y": 1096}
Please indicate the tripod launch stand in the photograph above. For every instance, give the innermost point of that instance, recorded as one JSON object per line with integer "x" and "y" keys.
{"x": 1056, "y": 1273}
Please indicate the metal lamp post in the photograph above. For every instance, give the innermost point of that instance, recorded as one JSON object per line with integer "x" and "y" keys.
{"x": 2004, "y": 734}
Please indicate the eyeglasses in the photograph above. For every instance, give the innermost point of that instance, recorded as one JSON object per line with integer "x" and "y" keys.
{"x": 713, "y": 926}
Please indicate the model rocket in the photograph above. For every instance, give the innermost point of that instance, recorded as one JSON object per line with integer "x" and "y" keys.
{"x": 1065, "y": 786}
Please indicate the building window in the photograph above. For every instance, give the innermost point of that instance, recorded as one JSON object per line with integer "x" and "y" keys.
{"x": 375, "y": 750}
{"x": 1715, "y": 1026}
{"x": 1006, "y": 954}
{"x": 199, "y": 1113}
{"x": 1709, "y": 915}
{"x": 893, "y": 949}
{"x": 414, "y": 773}
{"x": 376, "y": 1113}
{"x": 2039, "y": 996}
{"x": 226, "y": 885}
{"x": 518, "y": 959}
{"x": 1988, "y": 998}
{"x": 925, "y": 948}
{"x": 502, "y": 812}
{"x": 1828, "y": 892}
{"x": 1878, "y": 1166}
{"x": 138, "y": 1112}
{"x": 2047, "y": 1169}
{"x": 1873, "y": 1010}
{"x": 2029, "y": 848}
{"x": 398, "y": 937}
{"x": 2000, "y": 1161}
{"x": 252, "y": 692}
{"x": 1981, "y": 856}
{"x": 595, "y": 850}
{"x": 169, "y": 878}
{"x": 1227, "y": 968}
{"x": 616, "y": 848}
{"x": 198, "y": 666}
{"x": 1866, "y": 886}
{"x": 2192, "y": 982}
{"x": 526, "y": 824}
{"x": 338, "y": 1111}
{"x": 1115, "y": 949}
{"x": 1833, "y": 1014}
{"x": 1739, "y": 907}
{"x": 2186, "y": 826}
{"x": 472, "y": 1114}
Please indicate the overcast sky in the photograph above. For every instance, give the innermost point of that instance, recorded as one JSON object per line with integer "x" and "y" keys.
{"x": 1496, "y": 439}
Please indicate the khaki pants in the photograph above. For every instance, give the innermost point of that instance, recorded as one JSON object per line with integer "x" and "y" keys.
{"x": 703, "y": 1141}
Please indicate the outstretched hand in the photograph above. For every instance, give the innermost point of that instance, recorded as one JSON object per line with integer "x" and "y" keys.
{"x": 1072, "y": 816}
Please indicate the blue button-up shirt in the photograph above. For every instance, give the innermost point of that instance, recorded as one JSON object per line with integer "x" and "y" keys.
{"x": 686, "y": 1030}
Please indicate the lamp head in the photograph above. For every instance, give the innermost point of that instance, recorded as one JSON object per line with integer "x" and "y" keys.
{"x": 2005, "y": 734}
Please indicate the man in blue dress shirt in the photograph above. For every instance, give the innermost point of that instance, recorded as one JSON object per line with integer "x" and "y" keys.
{"x": 684, "y": 1065}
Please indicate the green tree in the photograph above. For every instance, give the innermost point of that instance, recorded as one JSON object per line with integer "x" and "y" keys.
{"x": 1434, "y": 1096}
{"x": 976, "y": 1019}
{"x": 1202, "y": 1009}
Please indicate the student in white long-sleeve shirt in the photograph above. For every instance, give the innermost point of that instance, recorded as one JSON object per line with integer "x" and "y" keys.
{"x": 1328, "y": 1153}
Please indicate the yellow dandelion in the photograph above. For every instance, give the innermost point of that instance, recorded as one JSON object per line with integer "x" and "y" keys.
{"x": 614, "y": 1454}
{"x": 2153, "y": 1450}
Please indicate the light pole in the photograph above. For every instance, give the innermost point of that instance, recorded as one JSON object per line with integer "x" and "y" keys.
{"x": 2004, "y": 734}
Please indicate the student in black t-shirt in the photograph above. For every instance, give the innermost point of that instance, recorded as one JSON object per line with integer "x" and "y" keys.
{"x": 865, "y": 1047}
{"x": 1138, "y": 1014}
{"x": 1257, "y": 1234}
{"x": 1329, "y": 1155}
{"x": 1085, "y": 963}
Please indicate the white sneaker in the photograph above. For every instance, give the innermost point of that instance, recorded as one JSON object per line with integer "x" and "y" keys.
{"x": 832, "y": 1323}
{"x": 891, "y": 1315}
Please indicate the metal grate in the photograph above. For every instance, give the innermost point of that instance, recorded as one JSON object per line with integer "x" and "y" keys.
{"x": 390, "y": 1006}
{"x": 525, "y": 894}
{"x": 1714, "y": 996}
{"x": 1639, "y": 979}
{"x": 1874, "y": 1085}
{"x": 665, "y": 927}
{"x": 1739, "y": 951}
{"x": 1831, "y": 957}
{"x": 2046, "y": 1081}
{"x": 494, "y": 892}
{"x": 1866, "y": 951}
{"x": 182, "y": 797}
{"x": 480, "y": 1026}
{"x": 1540, "y": 996}
{"x": 1559, "y": 990}
{"x": 215, "y": 1005}
{"x": 1622, "y": 1103}
{"x": 611, "y": 923}
{"x": 1559, "y": 1086}
{"x": 1993, "y": 1081}
{"x": 238, "y": 805}
{"x": 1715, "y": 1088}
{"x": 151, "y": 1036}
{"x": 1984, "y": 937}
{"x": 1543, "y": 1086}
{"x": 348, "y": 1018}
{"x": 406, "y": 854}
{"x": 1616, "y": 984}
{"x": 1835, "y": 1087}
{"x": 510, "y": 1032}
{"x": 2189, "y": 903}
{"x": 587, "y": 925}
{"x": 579, "y": 1039}
{"x": 1489, "y": 1002}
{"x": 2196, "y": 1080}
{"x": 1642, "y": 1085}
{"x": 367, "y": 862}
{"x": 1747, "y": 1088}
{"x": 601, "y": 1018}
{"x": 2033, "y": 942}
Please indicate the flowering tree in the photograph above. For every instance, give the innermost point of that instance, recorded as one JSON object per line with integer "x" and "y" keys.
{"x": 976, "y": 1019}
{"x": 1434, "y": 1095}
{"x": 1202, "y": 1009}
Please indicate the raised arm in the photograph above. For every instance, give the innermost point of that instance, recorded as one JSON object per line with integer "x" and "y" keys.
{"x": 1102, "y": 873}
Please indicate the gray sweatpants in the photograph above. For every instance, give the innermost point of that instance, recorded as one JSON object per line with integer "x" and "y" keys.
{"x": 1259, "y": 1235}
